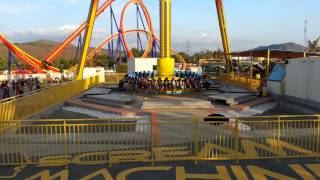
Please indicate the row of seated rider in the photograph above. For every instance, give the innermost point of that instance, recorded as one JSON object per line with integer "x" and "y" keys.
{"x": 151, "y": 74}
{"x": 197, "y": 83}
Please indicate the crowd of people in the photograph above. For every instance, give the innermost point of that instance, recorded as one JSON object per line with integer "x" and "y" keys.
{"x": 19, "y": 86}
{"x": 183, "y": 81}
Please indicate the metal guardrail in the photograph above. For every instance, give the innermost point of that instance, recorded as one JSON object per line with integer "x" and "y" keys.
{"x": 114, "y": 78}
{"x": 88, "y": 141}
{"x": 242, "y": 81}
{"x": 27, "y": 105}
{"x": 31, "y": 92}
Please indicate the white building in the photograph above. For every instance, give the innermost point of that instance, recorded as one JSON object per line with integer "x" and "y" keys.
{"x": 142, "y": 64}
{"x": 300, "y": 82}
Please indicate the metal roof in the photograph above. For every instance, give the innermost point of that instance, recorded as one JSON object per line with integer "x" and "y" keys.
{"x": 275, "y": 53}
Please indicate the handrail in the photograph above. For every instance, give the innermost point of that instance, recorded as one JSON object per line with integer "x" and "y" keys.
{"x": 32, "y": 103}
{"x": 89, "y": 142}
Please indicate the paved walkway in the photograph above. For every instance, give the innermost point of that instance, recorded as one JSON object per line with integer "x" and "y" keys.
{"x": 244, "y": 170}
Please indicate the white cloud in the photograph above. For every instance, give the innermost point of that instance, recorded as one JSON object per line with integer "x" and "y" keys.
{"x": 51, "y": 31}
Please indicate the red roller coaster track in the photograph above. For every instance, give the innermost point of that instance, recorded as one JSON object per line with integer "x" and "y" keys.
{"x": 38, "y": 65}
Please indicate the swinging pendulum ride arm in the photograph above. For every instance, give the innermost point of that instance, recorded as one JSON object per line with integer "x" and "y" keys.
{"x": 165, "y": 63}
{"x": 87, "y": 37}
{"x": 224, "y": 34}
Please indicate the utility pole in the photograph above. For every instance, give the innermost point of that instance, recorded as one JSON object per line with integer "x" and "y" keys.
{"x": 188, "y": 47}
{"x": 305, "y": 35}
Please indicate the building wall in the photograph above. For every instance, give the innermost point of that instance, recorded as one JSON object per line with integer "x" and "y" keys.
{"x": 302, "y": 79}
{"x": 274, "y": 87}
{"x": 94, "y": 71}
{"x": 141, "y": 64}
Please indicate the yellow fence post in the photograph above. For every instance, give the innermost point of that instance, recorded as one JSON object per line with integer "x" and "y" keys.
{"x": 279, "y": 134}
{"x": 65, "y": 144}
{"x": 152, "y": 143}
{"x": 20, "y": 141}
{"x": 109, "y": 143}
{"x": 318, "y": 138}
{"x": 236, "y": 136}
{"x": 196, "y": 140}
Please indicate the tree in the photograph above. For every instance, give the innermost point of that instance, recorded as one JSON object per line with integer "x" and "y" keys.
{"x": 102, "y": 60}
{"x": 63, "y": 64}
{"x": 2, "y": 65}
{"x": 45, "y": 64}
{"x": 185, "y": 56}
{"x": 137, "y": 53}
{"x": 313, "y": 46}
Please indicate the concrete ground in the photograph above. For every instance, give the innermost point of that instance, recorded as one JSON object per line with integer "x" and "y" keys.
{"x": 170, "y": 106}
{"x": 170, "y": 134}
{"x": 250, "y": 169}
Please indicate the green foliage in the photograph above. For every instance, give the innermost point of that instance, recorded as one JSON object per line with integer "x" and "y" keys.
{"x": 186, "y": 57}
{"x": 2, "y": 65}
{"x": 137, "y": 53}
{"x": 313, "y": 46}
{"x": 218, "y": 54}
{"x": 103, "y": 60}
{"x": 46, "y": 64}
{"x": 64, "y": 63}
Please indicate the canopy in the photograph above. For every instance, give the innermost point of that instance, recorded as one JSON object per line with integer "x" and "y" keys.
{"x": 275, "y": 54}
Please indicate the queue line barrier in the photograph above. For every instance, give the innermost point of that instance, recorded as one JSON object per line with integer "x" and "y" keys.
{"x": 241, "y": 81}
{"x": 110, "y": 141}
{"x": 27, "y": 105}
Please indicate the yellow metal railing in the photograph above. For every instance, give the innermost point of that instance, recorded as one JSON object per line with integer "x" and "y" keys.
{"x": 27, "y": 105}
{"x": 114, "y": 78}
{"x": 242, "y": 81}
{"x": 112, "y": 141}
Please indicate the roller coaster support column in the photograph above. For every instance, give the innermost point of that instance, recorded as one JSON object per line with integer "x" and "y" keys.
{"x": 224, "y": 34}
{"x": 87, "y": 36}
{"x": 165, "y": 63}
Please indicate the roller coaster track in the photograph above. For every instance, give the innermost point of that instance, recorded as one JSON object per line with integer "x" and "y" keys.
{"x": 38, "y": 65}
{"x": 52, "y": 56}
{"x": 33, "y": 62}
{"x": 108, "y": 39}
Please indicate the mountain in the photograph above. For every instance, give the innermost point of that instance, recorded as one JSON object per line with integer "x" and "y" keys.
{"x": 40, "y": 50}
{"x": 285, "y": 47}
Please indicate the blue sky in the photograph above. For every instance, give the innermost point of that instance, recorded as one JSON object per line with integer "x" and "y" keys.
{"x": 251, "y": 22}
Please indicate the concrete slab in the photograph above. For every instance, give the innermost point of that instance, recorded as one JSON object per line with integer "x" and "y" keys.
{"x": 114, "y": 100}
{"x": 177, "y": 103}
{"x": 232, "y": 98}
{"x": 210, "y": 92}
{"x": 233, "y": 89}
{"x": 97, "y": 91}
{"x": 76, "y": 102}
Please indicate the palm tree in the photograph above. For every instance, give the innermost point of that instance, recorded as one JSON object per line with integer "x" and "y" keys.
{"x": 313, "y": 46}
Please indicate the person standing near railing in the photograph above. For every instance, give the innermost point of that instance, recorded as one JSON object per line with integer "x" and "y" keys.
{"x": 13, "y": 84}
{"x": 30, "y": 84}
{"x": 17, "y": 88}
{"x": 37, "y": 82}
{"x": 22, "y": 83}
{"x": 5, "y": 89}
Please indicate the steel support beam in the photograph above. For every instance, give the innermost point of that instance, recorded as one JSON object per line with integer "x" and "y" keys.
{"x": 224, "y": 34}
{"x": 87, "y": 37}
{"x": 165, "y": 63}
